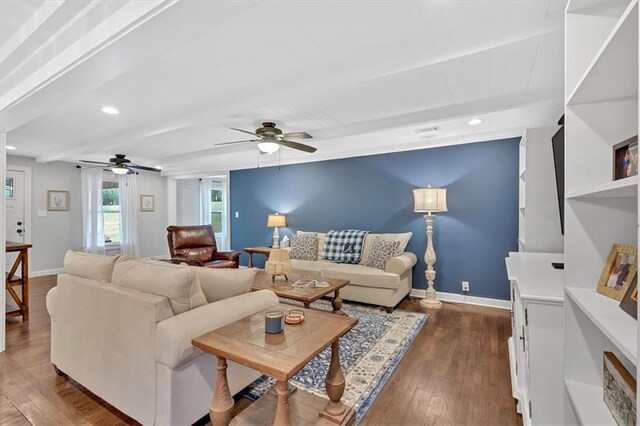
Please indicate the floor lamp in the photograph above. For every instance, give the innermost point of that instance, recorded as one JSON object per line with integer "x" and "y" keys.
{"x": 429, "y": 200}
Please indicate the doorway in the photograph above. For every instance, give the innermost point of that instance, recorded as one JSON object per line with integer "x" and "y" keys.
{"x": 17, "y": 194}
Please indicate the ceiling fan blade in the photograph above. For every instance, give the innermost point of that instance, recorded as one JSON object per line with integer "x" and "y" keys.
{"x": 149, "y": 169}
{"x": 237, "y": 142}
{"x": 297, "y": 135}
{"x": 297, "y": 145}
{"x": 95, "y": 162}
{"x": 243, "y": 131}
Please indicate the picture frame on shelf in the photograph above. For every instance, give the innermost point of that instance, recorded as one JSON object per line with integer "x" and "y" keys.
{"x": 625, "y": 158}
{"x": 147, "y": 203}
{"x": 629, "y": 302}
{"x": 58, "y": 200}
{"x": 619, "y": 271}
{"x": 619, "y": 389}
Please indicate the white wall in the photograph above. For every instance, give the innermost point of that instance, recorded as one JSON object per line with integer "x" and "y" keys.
{"x": 188, "y": 200}
{"x": 53, "y": 235}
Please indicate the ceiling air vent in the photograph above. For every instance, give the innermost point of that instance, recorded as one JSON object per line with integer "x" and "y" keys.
{"x": 427, "y": 130}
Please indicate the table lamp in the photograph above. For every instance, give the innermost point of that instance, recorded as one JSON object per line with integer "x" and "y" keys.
{"x": 275, "y": 221}
{"x": 429, "y": 200}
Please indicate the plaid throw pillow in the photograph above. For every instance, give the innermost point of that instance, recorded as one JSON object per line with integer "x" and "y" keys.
{"x": 381, "y": 252}
{"x": 304, "y": 246}
{"x": 344, "y": 246}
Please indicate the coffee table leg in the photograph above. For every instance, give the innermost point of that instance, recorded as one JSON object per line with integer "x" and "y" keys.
{"x": 307, "y": 304}
{"x": 336, "y": 303}
{"x": 283, "y": 412}
{"x": 335, "y": 410}
{"x": 222, "y": 402}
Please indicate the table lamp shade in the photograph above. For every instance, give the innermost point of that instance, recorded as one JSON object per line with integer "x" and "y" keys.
{"x": 276, "y": 221}
{"x": 430, "y": 199}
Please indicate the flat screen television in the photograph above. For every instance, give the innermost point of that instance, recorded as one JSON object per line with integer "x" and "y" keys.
{"x": 558, "y": 160}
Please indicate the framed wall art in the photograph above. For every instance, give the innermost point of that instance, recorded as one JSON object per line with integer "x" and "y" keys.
{"x": 58, "y": 200}
{"x": 147, "y": 203}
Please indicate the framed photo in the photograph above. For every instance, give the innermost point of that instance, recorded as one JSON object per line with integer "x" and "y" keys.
{"x": 619, "y": 271}
{"x": 619, "y": 388}
{"x": 147, "y": 203}
{"x": 629, "y": 302}
{"x": 58, "y": 200}
{"x": 625, "y": 158}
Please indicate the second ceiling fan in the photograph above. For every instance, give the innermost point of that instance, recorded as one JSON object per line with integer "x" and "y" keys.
{"x": 269, "y": 139}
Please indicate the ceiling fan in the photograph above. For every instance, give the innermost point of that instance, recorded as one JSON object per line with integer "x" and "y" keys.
{"x": 270, "y": 139}
{"x": 121, "y": 165}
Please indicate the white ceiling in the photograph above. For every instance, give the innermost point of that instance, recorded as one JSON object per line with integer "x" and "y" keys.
{"x": 360, "y": 76}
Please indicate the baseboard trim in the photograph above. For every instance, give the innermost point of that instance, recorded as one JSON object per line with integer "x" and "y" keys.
{"x": 459, "y": 298}
{"x": 46, "y": 272}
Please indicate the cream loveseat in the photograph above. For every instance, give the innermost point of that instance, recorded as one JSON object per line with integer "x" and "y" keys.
{"x": 367, "y": 284}
{"x": 132, "y": 348}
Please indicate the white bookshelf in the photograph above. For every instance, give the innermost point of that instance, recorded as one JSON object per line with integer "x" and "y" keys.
{"x": 601, "y": 109}
{"x": 539, "y": 219}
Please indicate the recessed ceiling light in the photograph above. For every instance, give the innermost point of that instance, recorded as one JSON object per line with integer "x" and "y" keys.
{"x": 110, "y": 110}
{"x": 10, "y": 147}
{"x": 475, "y": 121}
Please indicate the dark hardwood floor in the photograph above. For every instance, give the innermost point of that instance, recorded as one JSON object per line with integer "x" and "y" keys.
{"x": 455, "y": 373}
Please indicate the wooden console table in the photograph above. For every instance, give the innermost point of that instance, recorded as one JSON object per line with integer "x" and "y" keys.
{"x": 11, "y": 280}
{"x": 256, "y": 250}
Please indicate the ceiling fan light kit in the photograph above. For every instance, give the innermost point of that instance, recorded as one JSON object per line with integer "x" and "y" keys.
{"x": 120, "y": 170}
{"x": 268, "y": 147}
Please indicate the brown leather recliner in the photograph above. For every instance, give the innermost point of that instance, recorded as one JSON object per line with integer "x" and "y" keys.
{"x": 196, "y": 245}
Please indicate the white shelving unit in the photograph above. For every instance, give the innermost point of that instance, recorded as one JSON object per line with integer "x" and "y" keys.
{"x": 601, "y": 109}
{"x": 539, "y": 220}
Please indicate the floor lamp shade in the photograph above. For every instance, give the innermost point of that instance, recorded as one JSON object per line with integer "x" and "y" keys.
{"x": 430, "y": 199}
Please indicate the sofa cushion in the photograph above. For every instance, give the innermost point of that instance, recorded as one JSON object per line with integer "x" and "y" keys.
{"x": 344, "y": 246}
{"x": 178, "y": 283}
{"x": 403, "y": 238}
{"x": 88, "y": 265}
{"x": 381, "y": 251}
{"x": 320, "y": 237}
{"x": 218, "y": 284}
{"x": 309, "y": 267}
{"x": 360, "y": 275}
{"x": 304, "y": 247}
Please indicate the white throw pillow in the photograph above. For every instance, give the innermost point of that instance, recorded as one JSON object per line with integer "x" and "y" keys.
{"x": 178, "y": 283}
{"x": 218, "y": 283}
{"x": 381, "y": 251}
{"x": 90, "y": 266}
{"x": 402, "y": 238}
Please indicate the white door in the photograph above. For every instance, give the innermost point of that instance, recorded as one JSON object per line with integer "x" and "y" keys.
{"x": 15, "y": 206}
{"x": 14, "y": 193}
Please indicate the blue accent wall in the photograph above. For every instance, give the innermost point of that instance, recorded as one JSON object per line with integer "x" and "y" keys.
{"x": 374, "y": 193}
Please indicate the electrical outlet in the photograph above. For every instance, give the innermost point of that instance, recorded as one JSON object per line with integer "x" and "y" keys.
{"x": 465, "y": 286}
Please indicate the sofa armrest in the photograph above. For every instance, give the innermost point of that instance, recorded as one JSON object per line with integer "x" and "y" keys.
{"x": 173, "y": 336}
{"x": 188, "y": 260}
{"x": 400, "y": 264}
{"x": 227, "y": 255}
{"x": 223, "y": 283}
{"x": 52, "y": 303}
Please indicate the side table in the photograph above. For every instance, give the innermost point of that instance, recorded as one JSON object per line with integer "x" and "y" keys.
{"x": 256, "y": 250}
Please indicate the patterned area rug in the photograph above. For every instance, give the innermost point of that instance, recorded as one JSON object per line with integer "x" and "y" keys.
{"x": 368, "y": 354}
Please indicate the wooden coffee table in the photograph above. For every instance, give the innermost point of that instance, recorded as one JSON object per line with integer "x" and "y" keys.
{"x": 306, "y": 295}
{"x": 280, "y": 356}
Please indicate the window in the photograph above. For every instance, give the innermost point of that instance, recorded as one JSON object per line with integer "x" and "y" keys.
{"x": 8, "y": 189}
{"x": 216, "y": 210}
{"x": 111, "y": 211}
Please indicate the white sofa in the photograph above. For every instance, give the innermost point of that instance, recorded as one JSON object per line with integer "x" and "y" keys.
{"x": 132, "y": 349}
{"x": 367, "y": 284}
